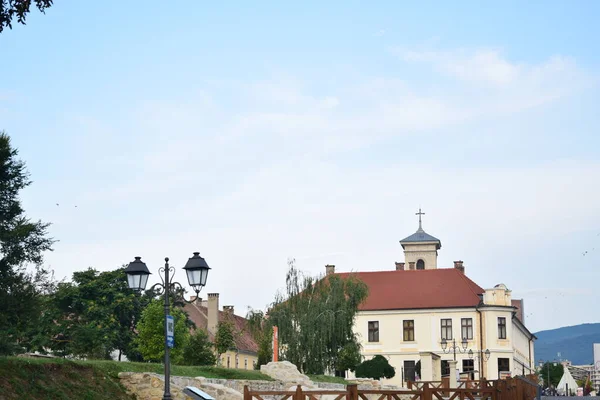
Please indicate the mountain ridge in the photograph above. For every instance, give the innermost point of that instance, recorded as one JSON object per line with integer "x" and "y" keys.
{"x": 573, "y": 343}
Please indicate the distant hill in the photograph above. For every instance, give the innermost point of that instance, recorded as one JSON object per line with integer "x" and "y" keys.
{"x": 574, "y": 343}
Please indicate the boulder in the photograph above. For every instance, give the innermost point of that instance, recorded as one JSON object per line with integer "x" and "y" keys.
{"x": 286, "y": 372}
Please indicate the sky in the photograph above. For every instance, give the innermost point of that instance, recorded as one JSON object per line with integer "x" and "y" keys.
{"x": 257, "y": 132}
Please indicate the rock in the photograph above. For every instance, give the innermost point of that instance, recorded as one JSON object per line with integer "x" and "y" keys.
{"x": 286, "y": 372}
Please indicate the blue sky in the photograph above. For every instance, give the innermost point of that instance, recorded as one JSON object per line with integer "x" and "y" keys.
{"x": 258, "y": 131}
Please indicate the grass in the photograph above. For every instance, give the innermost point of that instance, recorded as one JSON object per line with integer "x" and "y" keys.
{"x": 112, "y": 368}
{"x": 31, "y": 379}
{"x": 328, "y": 379}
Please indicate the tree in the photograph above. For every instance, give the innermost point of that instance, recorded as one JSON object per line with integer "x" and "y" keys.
{"x": 18, "y": 8}
{"x": 349, "y": 357}
{"x": 22, "y": 243}
{"x": 151, "y": 334}
{"x": 315, "y": 318}
{"x": 262, "y": 332}
{"x": 224, "y": 339}
{"x": 94, "y": 315}
{"x": 375, "y": 368}
{"x": 199, "y": 350}
{"x": 553, "y": 370}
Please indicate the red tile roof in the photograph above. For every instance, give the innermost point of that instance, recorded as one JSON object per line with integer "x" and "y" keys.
{"x": 432, "y": 288}
{"x": 243, "y": 339}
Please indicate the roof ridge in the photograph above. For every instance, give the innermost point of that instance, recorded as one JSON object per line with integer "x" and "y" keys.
{"x": 468, "y": 281}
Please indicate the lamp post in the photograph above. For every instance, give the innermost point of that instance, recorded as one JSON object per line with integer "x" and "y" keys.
{"x": 454, "y": 347}
{"x": 482, "y": 355}
{"x": 196, "y": 269}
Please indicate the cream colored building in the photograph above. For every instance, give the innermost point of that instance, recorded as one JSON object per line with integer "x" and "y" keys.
{"x": 413, "y": 308}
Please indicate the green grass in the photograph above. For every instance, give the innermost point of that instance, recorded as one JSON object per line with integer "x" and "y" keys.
{"x": 22, "y": 378}
{"x": 112, "y": 368}
{"x": 328, "y": 379}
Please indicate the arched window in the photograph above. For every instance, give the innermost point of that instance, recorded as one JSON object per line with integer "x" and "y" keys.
{"x": 420, "y": 264}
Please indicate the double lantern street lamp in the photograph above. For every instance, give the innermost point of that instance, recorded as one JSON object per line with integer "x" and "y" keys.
{"x": 196, "y": 269}
{"x": 464, "y": 344}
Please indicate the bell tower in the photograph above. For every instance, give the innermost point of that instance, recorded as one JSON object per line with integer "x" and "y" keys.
{"x": 420, "y": 248}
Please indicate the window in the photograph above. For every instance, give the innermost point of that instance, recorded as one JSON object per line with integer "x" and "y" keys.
{"x": 245, "y": 363}
{"x": 228, "y": 361}
{"x": 420, "y": 264}
{"x": 409, "y": 330}
{"x": 409, "y": 370}
{"x": 501, "y": 328}
{"x": 503, "y": 365}
{"x": 373, "y": 331}
{"x": 445, "y": 368}
{"x": 236, "y": 361}
{"x": 447, "y": 329}
{"x": 469, "y": 366}
{"x": 466, "y": 328}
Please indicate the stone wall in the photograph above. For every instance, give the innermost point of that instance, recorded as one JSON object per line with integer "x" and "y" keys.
{"x": 149, "y": 386}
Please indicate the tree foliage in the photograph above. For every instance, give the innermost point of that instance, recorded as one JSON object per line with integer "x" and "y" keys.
{"x": 224, "y": 339}
{"x": 376, "y": 368}
{"x": 199, "y": 350}
{"x": 315, "y": 318}
{"x": 554, "y": 370}
{"x": 94, "y": 315}
{"x": 262, "y": 332}
{"x": 151, "y": 333}
{"x": 9, "y": 9}
{"x": 22, "y": 243}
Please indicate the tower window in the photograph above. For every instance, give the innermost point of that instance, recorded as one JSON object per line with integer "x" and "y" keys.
{"x": 420, "y": 264}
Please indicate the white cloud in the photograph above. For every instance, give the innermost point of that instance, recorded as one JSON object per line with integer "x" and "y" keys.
{"x": 379, "y": 33}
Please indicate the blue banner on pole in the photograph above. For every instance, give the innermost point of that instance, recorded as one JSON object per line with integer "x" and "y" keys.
{"x": 170, "y": 331}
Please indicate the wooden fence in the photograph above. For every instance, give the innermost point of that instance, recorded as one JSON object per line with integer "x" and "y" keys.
{"x": 517, "y": 388}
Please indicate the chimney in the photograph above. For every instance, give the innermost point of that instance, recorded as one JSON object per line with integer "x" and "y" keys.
{"x": 411, "y": 265}
{"x": 329, "y": 269}
{"x": 228, "y": 309}
{"x": 459, "y": 266}
{"x": 213, "y": 312}
{"x": 399, "y": 266}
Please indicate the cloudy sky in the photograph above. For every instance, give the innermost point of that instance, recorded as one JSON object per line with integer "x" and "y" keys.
{"x": 255, "y": 132}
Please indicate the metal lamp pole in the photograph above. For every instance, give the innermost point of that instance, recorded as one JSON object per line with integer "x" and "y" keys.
{"x": 137, "y": 278}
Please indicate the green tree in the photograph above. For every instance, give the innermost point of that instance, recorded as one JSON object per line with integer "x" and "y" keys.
{"x": 375, "y": 368}
{"x": 262, "y": 332}
{"x": 10, "y": 9}
{"x": 199, "y": 350}
{"x": 224, "y": 338}
{"x": 94, "y": 315}
{"x": 349, "y": 357}
{"x": 151, "y": 333}
{"x": 315, "y": 318}
{"x": 552, "y": 370}
{"x": 22, "y": 244}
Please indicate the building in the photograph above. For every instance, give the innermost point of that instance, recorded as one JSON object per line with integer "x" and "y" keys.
{"x": 415, "y": 310}
{"x": 582, "y": 372}
{"x": 206, "y": 315}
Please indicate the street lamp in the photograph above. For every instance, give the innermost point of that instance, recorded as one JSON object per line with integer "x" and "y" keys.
{"x": 482, "y": 355}
{"x": 455, "y": 347}
{"x": 196, "y": 269}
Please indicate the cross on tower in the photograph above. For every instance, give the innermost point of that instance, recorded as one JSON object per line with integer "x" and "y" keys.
{"x": 419, "y": 214}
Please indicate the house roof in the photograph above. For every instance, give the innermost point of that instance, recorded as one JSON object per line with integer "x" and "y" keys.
{"x": 421, "y": 236}
{"x": 243, "y": 339}
{"x": 418, "y": 289}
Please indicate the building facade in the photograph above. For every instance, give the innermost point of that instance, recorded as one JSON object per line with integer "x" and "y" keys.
{"x": 207, "y": 315}
{"x": 418, "y": 310}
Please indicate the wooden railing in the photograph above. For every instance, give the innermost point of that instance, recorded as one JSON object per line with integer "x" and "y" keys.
{"x": 518, "y": 388}
{"x": 351, "y": 393}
